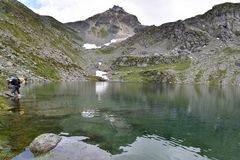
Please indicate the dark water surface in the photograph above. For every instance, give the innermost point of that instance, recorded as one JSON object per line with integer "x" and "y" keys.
{"x": 132, "y": 121}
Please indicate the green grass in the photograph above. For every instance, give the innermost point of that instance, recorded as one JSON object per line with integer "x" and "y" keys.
{"x": 94, "y": 30}
{"x": 63, "y": 45}
{"x": 183, "y": 65}
{"x": 16, "y": 31}
{"x": 107, "y": 50}
{"x": 2, "y": 80}
{"x": 38, "y": 65}
{"x": 180, "y": 66}
{"x": 198, "y": 76}
{"x": 182, "y": 76}
{"x": 102, "y": 33}
{"x": 143, "y": 73}
{"x": 3, "y": 104}
{"x": 217, "y": 77}
{"x": 133, "y": 77}
{"x": 229, "y": 50}
{"x": 43, "y": 68}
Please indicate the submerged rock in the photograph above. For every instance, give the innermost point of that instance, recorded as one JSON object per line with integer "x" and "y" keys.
{"x": 44, "y": 143}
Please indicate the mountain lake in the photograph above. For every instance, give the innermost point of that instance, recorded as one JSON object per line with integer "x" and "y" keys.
{"x": 129, "y": 121}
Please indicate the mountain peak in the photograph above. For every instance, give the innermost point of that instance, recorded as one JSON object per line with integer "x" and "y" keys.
{"x": 116, "y": 8}
{"x": 115, "y": 23}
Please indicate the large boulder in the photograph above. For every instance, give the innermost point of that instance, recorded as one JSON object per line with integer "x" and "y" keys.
{"x": 44, "y": 143}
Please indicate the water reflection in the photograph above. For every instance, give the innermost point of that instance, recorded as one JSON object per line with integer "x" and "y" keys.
{"x": 16, "y": 106}
{"x": 204, "y": 118}
{"x": 101, "y": 88}
{"x": 89, "y": 113}
{"x": 155, "y": 148}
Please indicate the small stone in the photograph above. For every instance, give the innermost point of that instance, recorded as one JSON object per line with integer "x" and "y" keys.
{"x": 222, "y": 67}
{"x": 8, "y": 64}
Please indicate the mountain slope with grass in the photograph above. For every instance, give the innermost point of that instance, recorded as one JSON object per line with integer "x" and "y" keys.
{"x": 37, "y": 47}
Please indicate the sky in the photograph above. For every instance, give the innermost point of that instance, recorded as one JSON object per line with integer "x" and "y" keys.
{"x": 149, "y": 12}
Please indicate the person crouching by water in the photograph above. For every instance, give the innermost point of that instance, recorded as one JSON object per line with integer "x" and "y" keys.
{"x": 14, "y": 83}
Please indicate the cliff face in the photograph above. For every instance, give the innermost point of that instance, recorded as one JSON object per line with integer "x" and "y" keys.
{"x": 37, "y": 47}
{"x": 222, "y": 22}
{"x": 114, "y": 23}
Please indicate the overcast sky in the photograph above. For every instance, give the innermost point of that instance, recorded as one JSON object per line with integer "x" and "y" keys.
{"x": 149, "y": 12}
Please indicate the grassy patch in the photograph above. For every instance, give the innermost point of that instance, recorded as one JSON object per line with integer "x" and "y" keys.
{"x": 94, "y": 30}
{"x": 198, "y": 76}
{"x": 182, "y": 76}
{"x": 156, "y": 73}
{"x": 3, "y": 104}
{"x": 38, "y": 65}
{"x": 212, "y": 80}
{"x": 133, "y": 77}
{"x": 150, "y": 76}
{"x": 16, "y": 31}
{"x": 229, "y": 50}
{"x": 180, "y": 66}
{"x": 102, "y": 33}
{"x": 107, "y": 50}
{"x": 217, "y": 77}
{"x": 2, "y": 81}
{"x": 221, "y": 74}
{"x": 63, "y": 45}
{"x": 44, "y": 69}
{"x": 183, "y": 65}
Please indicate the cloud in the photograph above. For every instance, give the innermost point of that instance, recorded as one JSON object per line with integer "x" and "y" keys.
{"x": 149, "y": 13}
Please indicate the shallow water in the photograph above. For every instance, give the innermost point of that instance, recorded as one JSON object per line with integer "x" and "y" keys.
{"x": 130, "y": 120}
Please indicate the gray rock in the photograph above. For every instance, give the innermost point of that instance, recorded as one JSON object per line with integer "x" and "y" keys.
{"x": 44, "y": 143}
{"x": 8, "y": 64}
{"x": 222, "y": 67}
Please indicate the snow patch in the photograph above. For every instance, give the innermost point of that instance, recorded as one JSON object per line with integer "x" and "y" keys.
{"x": 90, "y": 46}
{"x": 115, "y": 41}
{"x": 102, "y": 74}
{"x": 94, "y": 46}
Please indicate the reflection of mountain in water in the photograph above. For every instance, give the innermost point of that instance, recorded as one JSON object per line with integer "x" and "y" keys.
{"x": 201, "y": 117}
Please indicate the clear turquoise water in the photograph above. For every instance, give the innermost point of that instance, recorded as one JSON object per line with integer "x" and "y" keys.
{"x": 132, "y": 121}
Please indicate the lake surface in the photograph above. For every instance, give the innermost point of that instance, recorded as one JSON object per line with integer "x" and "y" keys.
{"x": 131, "y": 121}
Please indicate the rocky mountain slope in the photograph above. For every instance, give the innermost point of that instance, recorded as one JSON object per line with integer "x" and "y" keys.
{"x": 202, "y": 49}
{"x": 114, "y": 23}
{"x": 37, "y": 47}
